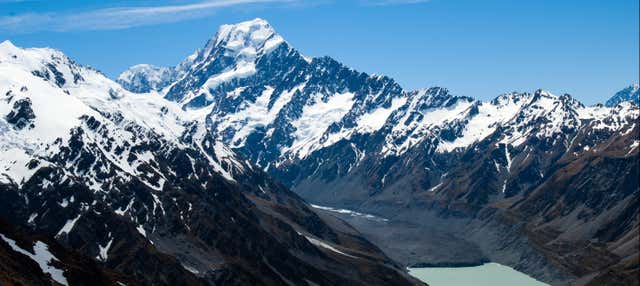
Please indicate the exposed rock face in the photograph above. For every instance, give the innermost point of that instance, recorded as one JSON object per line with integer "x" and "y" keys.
{"x": 137, "y": 189}
{"x": 21, "y": 115}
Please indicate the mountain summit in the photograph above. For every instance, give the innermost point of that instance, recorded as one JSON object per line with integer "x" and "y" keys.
{"x": 231, "y": 53}
{"x": 246, "y": 39}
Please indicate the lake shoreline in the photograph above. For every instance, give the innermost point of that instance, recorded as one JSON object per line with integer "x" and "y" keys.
{"x": 448, "y": 264}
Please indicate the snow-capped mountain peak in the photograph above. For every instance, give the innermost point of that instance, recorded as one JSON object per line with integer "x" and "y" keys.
{"x": 37, "y": 60}
{"x": 243, "y": 41}
{"x": 144, "y": 78}
{"x": 248, "y": 37}
{"x": 6, "y": 45}
{"x": 232, "y": 55}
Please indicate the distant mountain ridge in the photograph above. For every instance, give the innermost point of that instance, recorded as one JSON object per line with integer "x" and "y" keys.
{"x": 145, "y": 78}
{"x": 631, "y": 93}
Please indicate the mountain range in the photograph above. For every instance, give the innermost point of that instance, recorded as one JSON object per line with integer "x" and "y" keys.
{"x": 196, "y": 174}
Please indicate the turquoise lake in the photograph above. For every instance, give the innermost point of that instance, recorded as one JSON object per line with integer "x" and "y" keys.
{"x": 489, "y": 274}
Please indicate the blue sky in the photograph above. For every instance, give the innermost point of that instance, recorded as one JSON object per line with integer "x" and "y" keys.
{"x": 475, "y": 48}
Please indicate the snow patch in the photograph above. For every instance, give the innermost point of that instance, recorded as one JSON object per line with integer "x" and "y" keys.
{"x": 42, "y": 256}
{"x": 325, "y": 245}
{"x": 141, "y": 230}
{"x": 68, "y": 226}
{"x": 316, "y": 119}
{"x": 372, "y": 122}
{"x": 350, "y": 212}
{"x": 104, "y": 250}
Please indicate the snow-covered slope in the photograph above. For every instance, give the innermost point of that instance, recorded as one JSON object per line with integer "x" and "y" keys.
{"x": 64, "y": 97}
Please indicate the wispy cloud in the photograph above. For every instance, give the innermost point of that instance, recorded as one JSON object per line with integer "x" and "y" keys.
{"x": 390, "y": 2}
{"x": 119, "y": 17}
